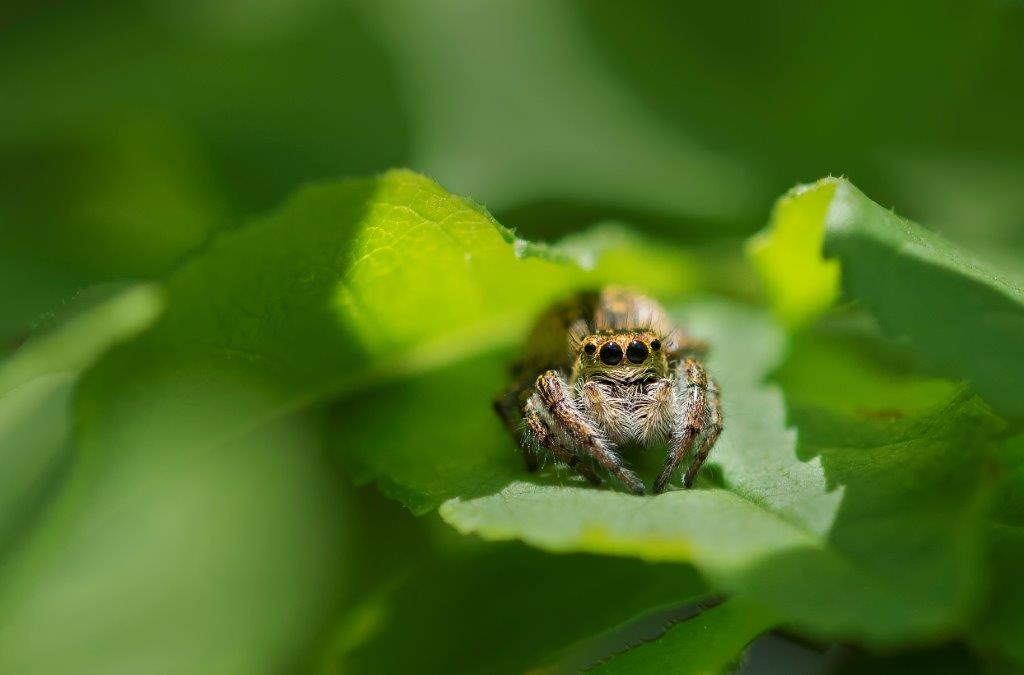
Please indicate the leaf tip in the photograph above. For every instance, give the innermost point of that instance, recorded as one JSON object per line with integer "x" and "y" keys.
{"x": 788, "y": 254}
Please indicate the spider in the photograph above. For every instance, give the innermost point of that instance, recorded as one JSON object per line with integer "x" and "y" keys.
{"x": 604, "y": 369}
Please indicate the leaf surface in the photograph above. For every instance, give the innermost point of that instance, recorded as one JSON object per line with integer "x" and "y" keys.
{"x": 709, "y": 642}
{"x": 36, "y": 387}
{"x": 963, "y": 314}
{"x": 199, "y": 489}
{"x": 354, "y": 281}
{"x": 507, "y": 609}
{"x": 1000, "y": 632}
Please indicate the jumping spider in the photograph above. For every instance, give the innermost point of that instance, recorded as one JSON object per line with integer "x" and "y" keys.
{"x": 604, "y": 369}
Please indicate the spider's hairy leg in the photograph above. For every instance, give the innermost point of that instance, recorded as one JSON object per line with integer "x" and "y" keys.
{"x": 557, "y": 399}
{"x": 712, "y": 428}
{"x": 691, "y": 386}
{"x": 539, "y": 432}
{"x": 508, "y": 408}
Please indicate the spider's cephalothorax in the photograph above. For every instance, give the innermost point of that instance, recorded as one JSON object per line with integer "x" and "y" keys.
{"x": 607, "y": 368}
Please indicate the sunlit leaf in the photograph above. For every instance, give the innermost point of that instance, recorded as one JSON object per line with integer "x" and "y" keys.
{"x": 356, "y": 280}
{"x": 801, "y": 285}
{"x": 963, "y": 314}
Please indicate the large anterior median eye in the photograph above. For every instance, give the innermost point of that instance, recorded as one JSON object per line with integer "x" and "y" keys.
{"x": 636, "y": 352}
{"x": 611, "y": 353}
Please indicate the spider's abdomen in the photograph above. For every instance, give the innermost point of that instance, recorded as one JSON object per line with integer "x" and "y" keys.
{"x": 556, "y": 338}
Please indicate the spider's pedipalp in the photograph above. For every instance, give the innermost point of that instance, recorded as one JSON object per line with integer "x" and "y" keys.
{"x": 597, "y": 401}
{"x": 655, "y": 413}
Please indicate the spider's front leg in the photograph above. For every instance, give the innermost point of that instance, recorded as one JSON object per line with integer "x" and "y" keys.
{"x": 556, "y": 396}
{"x": 695, "y": 402}
{"x": 525, "y": 420}
{"x": 539, "y": 432}
{"x": 712, "y": 429}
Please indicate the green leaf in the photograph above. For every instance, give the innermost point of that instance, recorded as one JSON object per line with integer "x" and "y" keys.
{"x": 845, "y": 527}
{"x": 353, "y": 281}
{"x": 198, "y": 491}
{"x": 394, "y": 283}
{"x": 36, "y": 385}
{"x": 911, "y": 551}
{"x": 83, "y": 336}
{"x": 149, "y": 551}
{"x": 407, "y": 299}
{"x": 505, "y": 609}
{"x": 709, "y": 642}
{"x": 799, "y": 283}
{"x": 963, "y": 315}
{"x": 162, "y": 555}
{"x": 1000, "y": 633}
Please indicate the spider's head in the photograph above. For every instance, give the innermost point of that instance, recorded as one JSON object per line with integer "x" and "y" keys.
{"x": 623, "y": 354}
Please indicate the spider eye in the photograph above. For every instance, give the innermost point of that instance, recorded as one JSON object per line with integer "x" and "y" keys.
{"x": 611, "y": 353}
{"x": 655, "y": 344}
{"x": 636, "y": 352}
{"x": 590, "y": 348}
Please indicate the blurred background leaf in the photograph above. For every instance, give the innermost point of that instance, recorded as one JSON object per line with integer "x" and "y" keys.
{"x": 510, "y": 103}
{"x": 509, "y": 609}
{"x": 36, "y": 387}
{"x": 170, "y": 556}
{"x": 999, "y": 634}
{"x": 895, "y": 96}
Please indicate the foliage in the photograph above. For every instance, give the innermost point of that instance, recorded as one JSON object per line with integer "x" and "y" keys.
{"x": 828, "y": 508}
{"x": 965, "y": 317}
{"x": 238, "y": 444}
